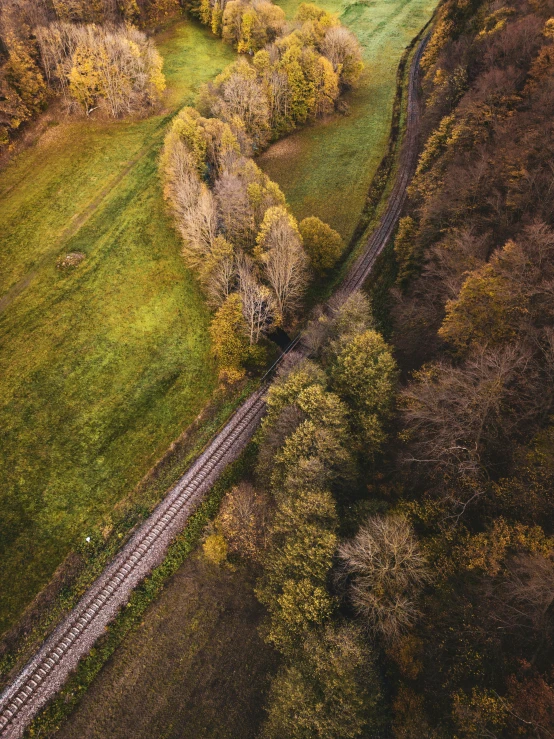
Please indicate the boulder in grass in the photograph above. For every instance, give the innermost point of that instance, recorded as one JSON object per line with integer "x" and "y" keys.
{"x": 70, "y": 260}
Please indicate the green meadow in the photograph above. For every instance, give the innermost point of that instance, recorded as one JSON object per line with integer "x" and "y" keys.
{"x": 101, "y": 365}
{"x": 326, "y": 169}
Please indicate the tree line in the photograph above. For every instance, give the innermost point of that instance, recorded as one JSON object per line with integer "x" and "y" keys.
{"x": 252, "y": 258}
{"x": 83, "y": 49}
{"x": 328, "y": 418}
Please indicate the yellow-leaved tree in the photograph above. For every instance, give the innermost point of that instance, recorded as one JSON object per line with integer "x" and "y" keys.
{"x": 229, "y": 339}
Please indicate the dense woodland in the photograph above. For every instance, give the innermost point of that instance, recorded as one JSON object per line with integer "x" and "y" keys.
{"x": 401, "y": 508}
{"x": 473, "y": 316}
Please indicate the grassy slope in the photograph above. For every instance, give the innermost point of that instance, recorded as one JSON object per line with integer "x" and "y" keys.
{"x": 196, "y": 667}
{"x": 100, "y": 368}
{"x": 326, "y": 169}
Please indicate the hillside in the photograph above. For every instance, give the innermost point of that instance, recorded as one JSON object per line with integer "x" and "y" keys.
{"x": 473, "y": 326}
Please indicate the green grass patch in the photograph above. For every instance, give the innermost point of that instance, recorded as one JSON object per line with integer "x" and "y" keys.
{"x": 103, "y": 364}
{"x": 326, "y": 169}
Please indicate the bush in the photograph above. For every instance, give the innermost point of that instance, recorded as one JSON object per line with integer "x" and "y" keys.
{"x": 215, "y": 548}
{"x": 243, "y": 520}
{"x": 323, "y": 245}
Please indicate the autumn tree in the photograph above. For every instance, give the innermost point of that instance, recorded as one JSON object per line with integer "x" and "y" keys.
{"x": 279, "y": 250}
{"x": 241, "y": 97}
{"x": 215, "y": 548}
{"x": 407, "y": 252}
{"x": 322, "y": 434}
{"x": 525, "y": 596}
{"x": 323, "y": 245}
{"x": 331, "y": 691}
{"x": 235, "y": 209}
{"x": 250, "y": 26}
{"x": 387, "y": 571}
{"x": 343, "y": 50}
{"x": 460, "y": 418}
{"x": 509, "y": 295}
{"x": 85, "y": 84}
{"x": 194, "y": 207}
{"x": 244, "y": 193}
{"x": 258, "y": 303}
{"x": 22, "y": 88}
{"x": 229, "y": 336}
{"x": 297, "y": 564}
{"x": 364, "y": 375}
{"x": 283, "y": 415}
{"x": 218, "y": 273}
{"x": 285, "y": 390}
{"x": 351, "y": 318}
{"x": 330, "y": 333}
{"x": 24, "y": 76}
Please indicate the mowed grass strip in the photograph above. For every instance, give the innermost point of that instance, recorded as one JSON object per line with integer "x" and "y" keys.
{"x": 326, "y": 169}
{"x": 104, "y": 364}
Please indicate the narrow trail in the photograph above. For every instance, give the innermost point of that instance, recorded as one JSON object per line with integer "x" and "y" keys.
{"x": 47, "y": 671}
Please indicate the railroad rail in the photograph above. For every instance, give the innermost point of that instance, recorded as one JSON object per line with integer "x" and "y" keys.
{"x": 380, "y": 236}
{"x": 47, "y": 671}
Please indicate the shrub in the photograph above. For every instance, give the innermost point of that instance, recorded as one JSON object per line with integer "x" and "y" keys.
{"x": 215, "y": 548}
{"x": 323, "y": 245}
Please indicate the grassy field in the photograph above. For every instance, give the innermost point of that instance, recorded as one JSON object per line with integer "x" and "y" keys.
{"x": 195, "y": 668}
{"x": 326, "y": 169}
{"x": 103, "y": 365}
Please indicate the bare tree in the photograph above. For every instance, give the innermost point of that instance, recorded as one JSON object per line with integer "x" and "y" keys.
{"x": 458, "y": 415}
{"x": 258, "y": 303}
{"x": 387, "y": 571}
{"x": 244, "y": 96}
{"x": 279, "y": 96}
{"x": 218, "y": 276}
{"x": 524, "y": 601}
{"x": 194, "y": 205}
{"x": 284, "y": 259}
{"x": 234, "y": 209}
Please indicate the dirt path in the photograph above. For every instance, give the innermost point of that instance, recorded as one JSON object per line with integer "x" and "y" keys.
{"x": 47, "y": 671}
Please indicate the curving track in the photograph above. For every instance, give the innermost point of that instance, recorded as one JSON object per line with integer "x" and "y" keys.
{"x": 379, "y": 238}
{"x": 46, "y": 672}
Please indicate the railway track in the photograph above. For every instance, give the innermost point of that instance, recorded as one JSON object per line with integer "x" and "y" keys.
{"x": 47, "y": 671}
{"x": 379, "y": 238}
